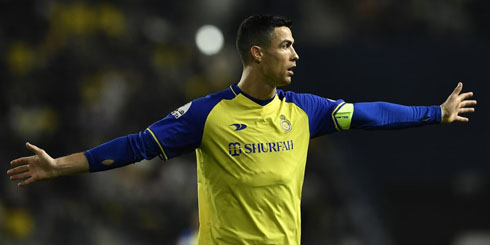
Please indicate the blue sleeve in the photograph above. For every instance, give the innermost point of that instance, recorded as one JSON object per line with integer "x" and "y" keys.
{"x": 177, "y": 133}
{"x": 320, "y": 112}
{"x": 383, "y": 115}
{"x": 122, "y": 151}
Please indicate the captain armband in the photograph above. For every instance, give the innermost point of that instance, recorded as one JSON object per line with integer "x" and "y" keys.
{"x": 343, "y": 116}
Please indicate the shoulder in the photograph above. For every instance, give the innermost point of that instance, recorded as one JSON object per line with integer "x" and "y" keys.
{"x": 196, "y": 111}
{"x": 214, "y": 98}
{"x": 200, "y": 107}
{"x": 306, "y": 101}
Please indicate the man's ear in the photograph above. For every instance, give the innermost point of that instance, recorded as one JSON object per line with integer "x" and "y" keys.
{"x": 256, "y": 53}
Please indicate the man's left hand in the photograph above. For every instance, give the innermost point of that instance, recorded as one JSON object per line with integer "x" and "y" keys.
{"x": 457, "y": 104}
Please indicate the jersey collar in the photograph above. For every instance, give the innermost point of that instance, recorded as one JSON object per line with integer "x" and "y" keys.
{"x": 236, "y": 90}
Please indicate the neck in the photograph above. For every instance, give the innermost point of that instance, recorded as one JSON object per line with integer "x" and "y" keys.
{"x": 255, "y": 85}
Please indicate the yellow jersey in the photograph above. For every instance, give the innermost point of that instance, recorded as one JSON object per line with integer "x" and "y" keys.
{"x": 251, "y": 158}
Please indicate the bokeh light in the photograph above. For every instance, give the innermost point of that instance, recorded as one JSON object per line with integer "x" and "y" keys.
{"x": 209, "y": 39}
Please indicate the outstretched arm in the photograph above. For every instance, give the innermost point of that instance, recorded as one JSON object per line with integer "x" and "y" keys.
{"x": 167, "y": 138}
{"x": 41, "y": 166}
{"x": 383, "y": 115}
{"x": 113, "y": 154}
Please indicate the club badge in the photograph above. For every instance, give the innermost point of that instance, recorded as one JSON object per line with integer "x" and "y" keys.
{"x": 285, "y": 124}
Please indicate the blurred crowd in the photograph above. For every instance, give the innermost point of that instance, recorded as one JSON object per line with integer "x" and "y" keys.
{"x": 75, "y": 74}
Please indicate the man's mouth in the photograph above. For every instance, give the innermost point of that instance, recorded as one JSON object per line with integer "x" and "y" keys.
{"x": 290, "y": 70}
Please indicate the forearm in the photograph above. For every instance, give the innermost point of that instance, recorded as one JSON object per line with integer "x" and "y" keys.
{"x": 383, "y": 115}
{"x": 71, "y": 164}
{"x": 122, "y": 151}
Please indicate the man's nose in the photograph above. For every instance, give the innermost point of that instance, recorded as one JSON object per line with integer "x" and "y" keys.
{"x": 295, "y": 55}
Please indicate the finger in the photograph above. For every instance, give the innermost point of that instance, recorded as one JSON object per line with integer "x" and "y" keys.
{"x": 26, "y": 182}
{"x": 20, "y": 176}
{"x": 466, "y": 103}
{"x": 458, "y": 88}
{"x": 466, "y": 95}
{"x": 466, "y": 110}
{"x": 34, "y": 148}
{"x": 18, "y": 169}
{"x": 22, "y": 160}
{"x": 462, "y": 119}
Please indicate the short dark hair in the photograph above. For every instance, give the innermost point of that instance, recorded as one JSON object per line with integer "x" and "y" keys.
{"x": 257, "y": 30}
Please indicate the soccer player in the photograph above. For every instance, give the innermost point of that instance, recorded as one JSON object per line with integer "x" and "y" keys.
{"x": 251, "y": 140}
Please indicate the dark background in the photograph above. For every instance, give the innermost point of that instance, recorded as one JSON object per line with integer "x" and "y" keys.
{"x": 76, "y": 74}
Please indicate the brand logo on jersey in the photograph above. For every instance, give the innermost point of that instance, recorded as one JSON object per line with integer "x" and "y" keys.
{"x": 181, "y": 110}
{"x": 238, "y": 126}
{"x": 285, "y": 124}
{"x": 235, "y": 148}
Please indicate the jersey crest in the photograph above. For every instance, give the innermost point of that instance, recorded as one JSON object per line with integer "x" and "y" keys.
{"x": 285, "y": 124}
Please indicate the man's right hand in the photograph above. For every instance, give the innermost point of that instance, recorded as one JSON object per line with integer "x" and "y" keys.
{"x": 33, "y": 168}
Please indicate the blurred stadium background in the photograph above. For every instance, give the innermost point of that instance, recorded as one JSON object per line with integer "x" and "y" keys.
{"x": 74, "y": 74}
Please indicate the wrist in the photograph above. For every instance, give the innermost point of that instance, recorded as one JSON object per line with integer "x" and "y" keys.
{"x": 58, "y": 167}
{"x": 444, "y": 114}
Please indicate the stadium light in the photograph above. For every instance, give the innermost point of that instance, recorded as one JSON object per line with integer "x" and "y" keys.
{"x": 209, "y": 39}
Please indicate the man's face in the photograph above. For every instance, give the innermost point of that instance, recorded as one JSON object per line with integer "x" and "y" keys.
{"x": 279, "y": 58}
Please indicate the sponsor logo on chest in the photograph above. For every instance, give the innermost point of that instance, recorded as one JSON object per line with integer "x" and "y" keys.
{"x": 237, "y": 148}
